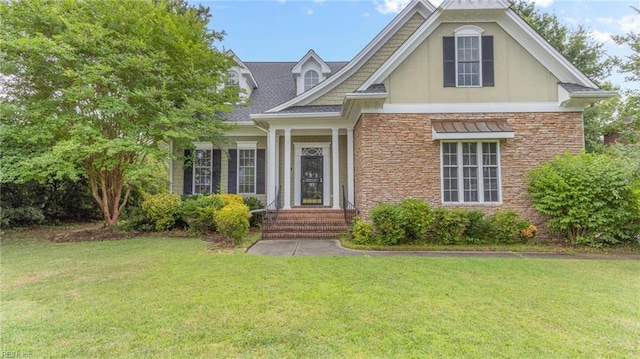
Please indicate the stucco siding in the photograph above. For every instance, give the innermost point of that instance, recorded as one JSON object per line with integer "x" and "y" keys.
{"x": 519, "y": 77}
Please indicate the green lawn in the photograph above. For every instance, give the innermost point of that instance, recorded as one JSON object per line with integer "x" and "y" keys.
{"x": 169, "y": 297}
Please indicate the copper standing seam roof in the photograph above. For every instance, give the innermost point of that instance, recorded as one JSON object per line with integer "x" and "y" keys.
{"x": 471, "y": 126}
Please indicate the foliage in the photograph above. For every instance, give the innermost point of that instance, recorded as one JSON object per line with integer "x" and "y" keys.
{"x": 199, "y": 211}
{"x": 630, "y": 65}
{"x": 449, "y": 225}
{"x": 505, "y": 226}
{"x": 417, "y": 215}
{"x": 231, "y": 198}
{"x": 53, "y": 201}
{"x": 581, "y": 50}
{"x": 527, "y": 231}
{"x": 253, "y": 203}
{"x": 388, "y": 223}
{"x": 163, "y": 209}
{"x": 138, "y": 220}
{"x": 589, "y": 198}
{"x": 96, "y": 89}
{"x": 232, "y": 221}
{"x": 479, "y": 229}
{"x": 362, "y": 231}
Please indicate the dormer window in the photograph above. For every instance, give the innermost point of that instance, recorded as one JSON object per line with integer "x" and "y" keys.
{"x": 468, "y": 58}
{"x": 311, "y": 78}
{"x": 233, "y": 78}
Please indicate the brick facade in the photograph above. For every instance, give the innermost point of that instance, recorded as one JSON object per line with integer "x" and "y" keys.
{"x": 396, "y": 158}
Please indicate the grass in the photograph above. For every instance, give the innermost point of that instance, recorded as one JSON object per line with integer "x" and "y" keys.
{"x": 165, "y": 297}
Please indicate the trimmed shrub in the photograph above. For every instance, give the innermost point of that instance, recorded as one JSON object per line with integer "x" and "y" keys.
{"x": 417, "y": 218}
{"x": 504, "y": 225}
{"x": 589, "y": 198}
{"x": 388, "y": 223}
{"x": 527, "y": 231}
{"x": 232, "y": 221}
{"x": 449, "y": 225}
{"x": 253, "y": 204}
{"x": 361, "y": 231}
{"x": 138, "y": 220}
{"x": 198, "y": 212}
{"x": 479, "y": 229}
{"x": 163, "y": 209}
{"x": 230, "y": 198}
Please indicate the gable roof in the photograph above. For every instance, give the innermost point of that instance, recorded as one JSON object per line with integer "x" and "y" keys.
{"x": 421, "y": 7}
{"x": 277, "y": 85}
{"x": 297, "y": 69}
{"x": 492, "y": 10}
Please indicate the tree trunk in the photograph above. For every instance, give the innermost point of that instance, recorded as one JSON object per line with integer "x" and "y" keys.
{"x": 106, "y": 188}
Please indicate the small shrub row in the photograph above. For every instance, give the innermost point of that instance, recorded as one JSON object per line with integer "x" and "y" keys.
{"x": 228, "y": 214}
{"x": 413, "y": 221}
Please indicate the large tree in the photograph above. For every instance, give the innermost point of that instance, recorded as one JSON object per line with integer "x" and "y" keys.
{"x": 585, "y": 53}
{"x": 94, "y": 88}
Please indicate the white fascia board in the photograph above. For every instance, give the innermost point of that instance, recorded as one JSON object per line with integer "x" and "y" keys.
{"x": 602, "y": 94}
{"x": 422, "y": 7}
{"x": 513, "y": 25}
{"x": 305, "y": 124}
{"x": 475, "y": 5}
{"x": 471, "y": 135}
{"x": 284, "y": 116}
{"x": 297, "y": 69}
{"x": 543, "y": 51}
{"x": 474, "y": 108}
{"x": 367, "y": 96}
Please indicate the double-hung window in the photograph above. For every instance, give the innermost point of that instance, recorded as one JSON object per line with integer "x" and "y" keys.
{"x": 470, "y": 172}
{"x": 468, "y": 58}
{"x": 311, "y": 78}
{"x": 202, "y": 171}
{"x": 247, "y": 167}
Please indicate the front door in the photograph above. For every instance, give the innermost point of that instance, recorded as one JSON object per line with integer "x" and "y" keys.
{"x": 311, "y": 178}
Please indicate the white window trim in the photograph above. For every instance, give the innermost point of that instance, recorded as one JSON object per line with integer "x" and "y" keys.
{"x": 461, "y": 200}
{"x": 247, "y": 145}
{"x": 469, "y": 31}
{"x": 203, "y": 146}
{"x": 304, "y": 79}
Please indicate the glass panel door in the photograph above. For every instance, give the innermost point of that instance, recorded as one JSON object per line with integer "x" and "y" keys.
{"x": 311, "y": 180}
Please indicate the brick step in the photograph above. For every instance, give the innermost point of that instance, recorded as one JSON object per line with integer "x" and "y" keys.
{"x": 300, "y": 235}
{"x": 312, "y": 221}
{"x": 311, "y": 215}
{"x": 302, "y": 228}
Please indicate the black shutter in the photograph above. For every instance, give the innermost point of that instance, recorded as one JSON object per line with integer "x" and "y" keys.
{"x": 449, "y": 61}
{"x": 217, "y": 170}
{"x": 260, "y": 172}
{"x": 188, "y": 173}
{"x": 233, "y": 172}
{"x": 487, "y": 61}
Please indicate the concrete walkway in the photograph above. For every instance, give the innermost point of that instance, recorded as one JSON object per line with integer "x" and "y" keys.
{"x": 316, "y": 247}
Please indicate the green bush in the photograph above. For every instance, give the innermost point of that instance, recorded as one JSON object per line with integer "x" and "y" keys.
{"x": 138, "y": 220}
{"x": 230, "y": 198}
{"x": 232, "y": 221}
{"x": 253, "y": 204}
{"x": 361, "y": 231}
{"x": 21, "y": 216}
{"x": 479, "y": 229}
{"x": 163, "y": 209}
{"x": 589, "y": 198}
{"x": 388, "y": 223}
{"x": 449, "y": 226}
{"x": 504, "y": 225}
{"x": 417, "y": 217}
{"x": 198, "y": 212}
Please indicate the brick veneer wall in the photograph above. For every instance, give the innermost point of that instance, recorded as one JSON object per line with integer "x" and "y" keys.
{"x": 396, "y": 158}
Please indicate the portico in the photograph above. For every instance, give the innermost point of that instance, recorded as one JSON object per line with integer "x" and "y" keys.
{"x": 309, "y": 163}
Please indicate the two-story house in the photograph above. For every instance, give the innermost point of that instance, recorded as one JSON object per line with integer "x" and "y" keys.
{"x": 452, "y": 104}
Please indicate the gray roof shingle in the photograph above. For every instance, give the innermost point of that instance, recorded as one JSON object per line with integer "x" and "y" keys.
{"x": 276, "y": 85}
{"x": 571, "y": 88}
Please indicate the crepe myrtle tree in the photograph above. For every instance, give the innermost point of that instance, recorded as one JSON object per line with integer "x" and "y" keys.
{"x": 98, "y": 88}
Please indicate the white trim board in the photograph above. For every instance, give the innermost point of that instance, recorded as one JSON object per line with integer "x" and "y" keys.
{"x": 473, "y": 108}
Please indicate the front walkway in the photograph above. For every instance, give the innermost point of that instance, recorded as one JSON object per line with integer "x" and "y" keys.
{"x": 330, "y": 247}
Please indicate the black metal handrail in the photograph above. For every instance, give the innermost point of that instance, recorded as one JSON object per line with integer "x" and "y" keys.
{"x": 349, "y": 208}
{"x": 270, "y": 214}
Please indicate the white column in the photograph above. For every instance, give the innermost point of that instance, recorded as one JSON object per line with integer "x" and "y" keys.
{"x": 350, "y": 169}
{"x": 336, "y": 168}
{"x": 277, "y": 182}
{"x": 287, "y": 169}
{"x": 272, "y": 168}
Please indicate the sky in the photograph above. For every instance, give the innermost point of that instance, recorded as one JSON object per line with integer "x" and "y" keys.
{"x": 284, "y": 30}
